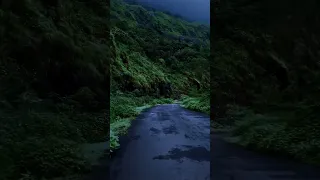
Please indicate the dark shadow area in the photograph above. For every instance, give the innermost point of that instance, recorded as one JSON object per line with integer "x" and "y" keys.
{"x": 264, "y": 88}
{"x": 55, "y": 89}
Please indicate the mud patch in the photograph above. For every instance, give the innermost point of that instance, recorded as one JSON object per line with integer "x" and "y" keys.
{"x": 170, "y": 130}
{"x": 194, "y": 153}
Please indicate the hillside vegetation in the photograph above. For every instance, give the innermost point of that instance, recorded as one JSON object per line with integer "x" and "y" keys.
{"x": 157, "y": 58}
{"x": 265, "y": 75}
{"x": 53, "y": 93}
{"x": 57, "y": 59}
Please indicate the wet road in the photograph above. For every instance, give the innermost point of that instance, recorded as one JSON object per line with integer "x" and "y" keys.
{"x": 166, "y": 142}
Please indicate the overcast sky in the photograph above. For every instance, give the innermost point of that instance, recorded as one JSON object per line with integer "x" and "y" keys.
{"x": 196, "y": 10}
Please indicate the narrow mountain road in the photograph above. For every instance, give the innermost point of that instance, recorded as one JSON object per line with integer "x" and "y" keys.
{"x": 168, "y": 142}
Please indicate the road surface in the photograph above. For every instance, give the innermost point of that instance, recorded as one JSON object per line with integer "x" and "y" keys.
{"x": 168, "y": 142}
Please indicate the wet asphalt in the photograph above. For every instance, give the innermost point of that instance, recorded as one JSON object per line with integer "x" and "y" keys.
{"x": 168, "y": 142}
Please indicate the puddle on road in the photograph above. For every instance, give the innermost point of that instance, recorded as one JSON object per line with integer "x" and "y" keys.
{"x": 193, "y": 152}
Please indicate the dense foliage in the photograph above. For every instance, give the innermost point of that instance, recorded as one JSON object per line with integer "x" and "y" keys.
{"x": 156, "y": 56}
{"x": 53, "y": 92}
{"x": 57, "y": 58}
{"x": 265, "y": 74}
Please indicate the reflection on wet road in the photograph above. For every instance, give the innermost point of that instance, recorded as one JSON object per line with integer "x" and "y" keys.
{"x": 166, "y": 142}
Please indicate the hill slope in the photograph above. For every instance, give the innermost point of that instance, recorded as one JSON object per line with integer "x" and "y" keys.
{"x": 266, "y": 75}
{"x": 53, "y": 71}
{"x": 55, "y": 64}
{"x": 155, "y": 56}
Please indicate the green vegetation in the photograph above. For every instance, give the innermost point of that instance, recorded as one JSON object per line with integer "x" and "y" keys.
{"x": 55, "y": 66}
{"x": 200, "y": 102}
{"x": 154, "y": 62}
{"x": 53, "y": 97}
{"x": 123, "y": 109}
{"x": 265, "y": 84}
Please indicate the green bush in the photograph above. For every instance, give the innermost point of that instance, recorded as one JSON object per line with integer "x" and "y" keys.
{"x": 201, "y": 104}
{"x": 44, "y": 143}
{"x": 50, "y": 157}
{"x": 122, "y": 107}
{"x": 162, "y": 101}
{"x": 114, "y": 141}
{"x": 274, "y": 133}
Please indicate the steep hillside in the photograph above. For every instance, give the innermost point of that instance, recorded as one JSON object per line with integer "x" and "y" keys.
{"x": 57, "y": 58}
{"x": 152, "y": 47}
{"x": 155, "y": 56}
{"x": 266, "y": 74}
{"x": 53, "y": 93}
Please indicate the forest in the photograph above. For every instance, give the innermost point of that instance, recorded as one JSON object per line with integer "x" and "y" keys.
{"x": 167, "y": 62}
{"x": 74, "y": 74}
{"x": 265, "y": 75}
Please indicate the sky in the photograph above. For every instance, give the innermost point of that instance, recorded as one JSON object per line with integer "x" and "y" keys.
{"x": 194, "y": 10}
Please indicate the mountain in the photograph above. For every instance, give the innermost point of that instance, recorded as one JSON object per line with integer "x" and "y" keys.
{"x": 57, "y": 59}
{"x": 265, "y": 74}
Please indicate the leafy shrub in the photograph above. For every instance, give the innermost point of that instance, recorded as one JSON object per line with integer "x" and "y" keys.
{"x": 121, "y": 107}
{"x": 86, "y": 98}
{"x": 50, "y": 157}
{"x": 114, "y": 141}
{"x": 43, "y": 143}
{"x": 201, "y": 104}
{"x": 120, "y": 126}
{"x": 162, "y": 101}
{"x": 273, "y": 134}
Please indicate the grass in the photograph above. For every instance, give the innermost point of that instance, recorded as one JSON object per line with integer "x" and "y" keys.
{"x": 42, "y": 139}
{"x": 200, "y": 103}
{"x": 281, "y": 131}
{"x": 124, "y": 109}
{"x": 275, "y": 133}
